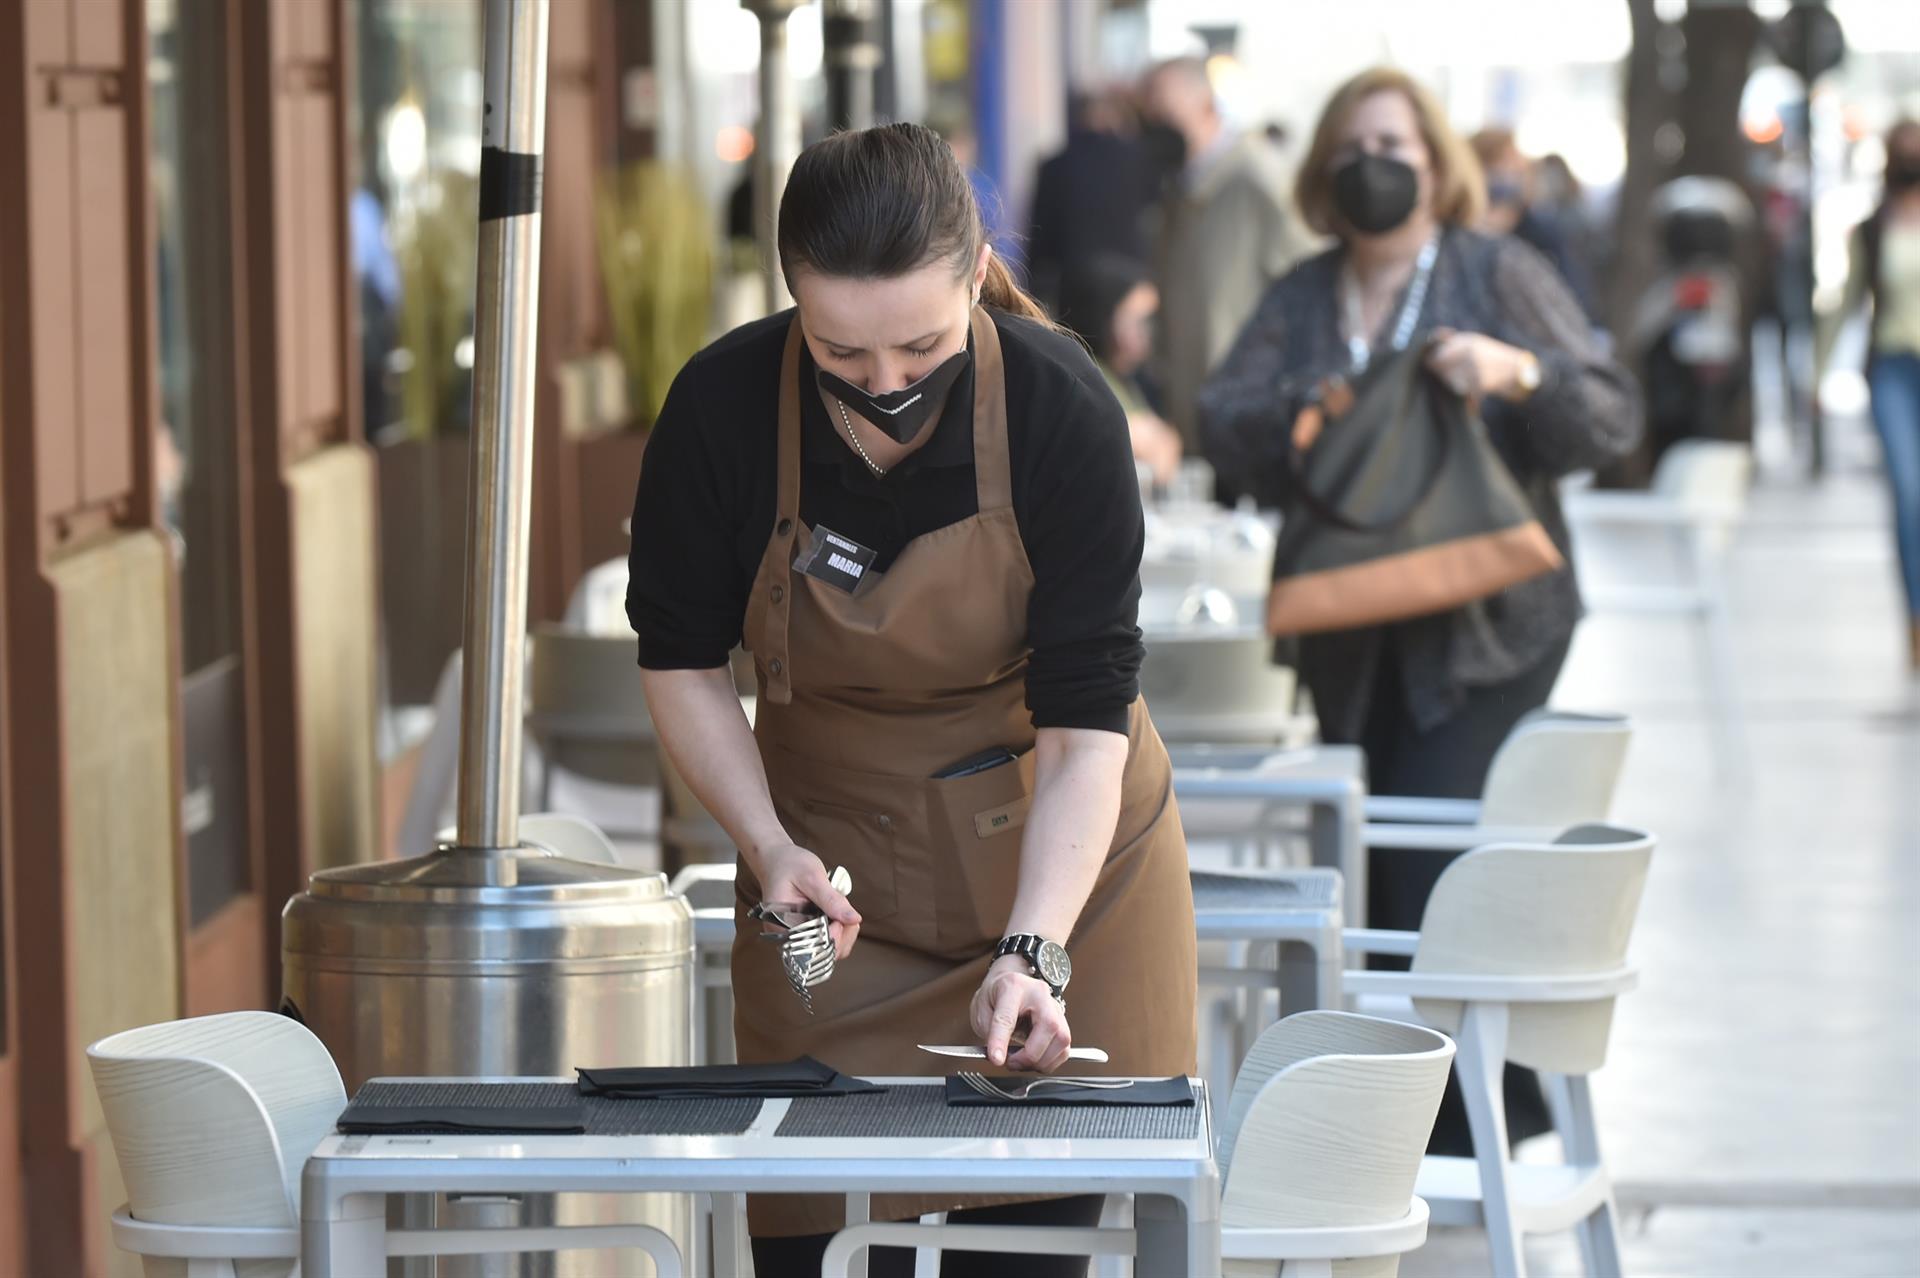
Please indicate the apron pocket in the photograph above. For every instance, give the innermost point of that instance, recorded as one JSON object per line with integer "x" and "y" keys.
{"x": 980, "y": 821}
{"x": 861, "y": 839}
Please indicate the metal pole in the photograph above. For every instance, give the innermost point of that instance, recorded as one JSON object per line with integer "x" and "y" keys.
{"x": 778, "y": 140}
{"x": 849, "y": 34}
{"x": 501, "y": 451}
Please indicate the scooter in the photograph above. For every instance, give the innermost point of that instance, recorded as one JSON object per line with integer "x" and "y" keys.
{"x": 1688, "y": 340}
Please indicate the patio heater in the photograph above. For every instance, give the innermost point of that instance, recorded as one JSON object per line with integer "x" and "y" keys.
{"x": 776, "y": 140}
{"x": 486, "y": 956}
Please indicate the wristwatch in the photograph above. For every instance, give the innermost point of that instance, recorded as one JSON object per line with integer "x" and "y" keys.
{"x": 1048, "y": 960}
{"x": 1529, "y": 374}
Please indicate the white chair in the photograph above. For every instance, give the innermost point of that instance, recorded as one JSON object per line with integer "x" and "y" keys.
{"x": 1555, "y": 770}
{"x": 588, "y": 711}
{"x": 1520, "y": 954}
{"x": 430, "y": 800}
{"x": 1686, "y": 518}
{"x": 213, "y": 1120}
{"x": 1318, "y": 1153}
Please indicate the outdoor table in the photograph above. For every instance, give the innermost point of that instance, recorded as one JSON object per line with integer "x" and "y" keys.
{"x": 905, "y": 1140}
{"x": 1329, "y": 781}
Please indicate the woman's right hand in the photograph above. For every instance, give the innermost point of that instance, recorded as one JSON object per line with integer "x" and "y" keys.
{"x": 788, "y": 872}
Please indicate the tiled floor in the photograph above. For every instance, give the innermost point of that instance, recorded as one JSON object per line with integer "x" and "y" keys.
{"x": 1761, "y": 1110}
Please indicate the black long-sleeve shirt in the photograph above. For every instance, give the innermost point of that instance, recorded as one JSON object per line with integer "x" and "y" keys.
{"x": 704, "y": 509}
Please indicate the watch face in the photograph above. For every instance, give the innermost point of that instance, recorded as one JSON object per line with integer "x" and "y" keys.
{"x": 1056, "y": 969}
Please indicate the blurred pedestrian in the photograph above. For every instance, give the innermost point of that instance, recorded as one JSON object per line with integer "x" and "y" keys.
{"x": 1885, "y": 275}
{"x": 1227, "y": 229}
{"x": 1429, "y": 699}
{"x": 1110, "y": 303}
{"x": 1089, "y": 199}
{"x": 1515, "y": 207}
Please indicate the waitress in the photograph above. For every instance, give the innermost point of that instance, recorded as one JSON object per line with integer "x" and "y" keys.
{"x": 949, "y": 705}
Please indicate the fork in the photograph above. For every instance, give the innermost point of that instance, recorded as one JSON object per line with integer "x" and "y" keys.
{"x": 807, "y": 950}
{"x": 1021, "y": 1091}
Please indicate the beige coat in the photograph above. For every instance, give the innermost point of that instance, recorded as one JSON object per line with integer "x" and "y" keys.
{"x": 1221, "y": 242}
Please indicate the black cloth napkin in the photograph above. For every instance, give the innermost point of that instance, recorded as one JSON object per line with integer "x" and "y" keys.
{"x": 802, "y": 1077}
{"x": 564, "y": 1120}
{"x": 1147, "y": 1091}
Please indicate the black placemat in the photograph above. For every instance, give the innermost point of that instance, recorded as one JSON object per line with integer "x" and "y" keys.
{"x": 605, "y": 1116}
{"x": 922, "y": 1111}
{"x": 802, "y": 1077}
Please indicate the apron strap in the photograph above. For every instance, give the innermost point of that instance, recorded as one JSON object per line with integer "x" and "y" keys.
{"x": 992, "y": 472}
{"x": 786, "y": 526}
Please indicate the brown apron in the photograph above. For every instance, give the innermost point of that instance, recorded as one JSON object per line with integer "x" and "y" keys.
{"x": 863, "y": 697}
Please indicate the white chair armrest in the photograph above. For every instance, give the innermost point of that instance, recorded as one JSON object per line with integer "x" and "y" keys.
{"x": 1393, "y": 807}
{"x": 1373, "y": 940}
{"x": 1454, "y": 838}
{"x": 1038, "y": 1240}
{"x": 703, "y": 872}
{"x": 1582, "y": 987}
{"x": 1645, "y": 510}
{"x": 203, "y": 1242}
{"x": 1346, "y": 1242}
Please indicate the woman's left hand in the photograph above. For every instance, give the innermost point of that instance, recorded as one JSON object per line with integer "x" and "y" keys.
{"x": 1475, "y": 365}
{"x": 1010, "y": 995}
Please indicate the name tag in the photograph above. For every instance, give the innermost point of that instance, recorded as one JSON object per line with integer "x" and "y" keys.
{"x": 840, "y": 562}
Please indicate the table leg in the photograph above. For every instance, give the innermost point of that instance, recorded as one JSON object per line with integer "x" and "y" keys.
{"x": 343, "y": 1237}
{"x": 1337, "y": 837}
{"x": 730, "y": 1246}
{"x": 1172, "y": 1240}
{"x": 859, "y": 1212}
{"x": 1300, "y": 983}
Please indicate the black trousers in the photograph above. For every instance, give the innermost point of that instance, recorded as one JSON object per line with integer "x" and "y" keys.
{"x": 800, "y": 1257}
{"x": 1447, "y": 761}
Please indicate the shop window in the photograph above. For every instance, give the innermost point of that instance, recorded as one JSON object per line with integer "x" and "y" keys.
{"x": 196, "y": 458}
{"x": 415, "y": 108}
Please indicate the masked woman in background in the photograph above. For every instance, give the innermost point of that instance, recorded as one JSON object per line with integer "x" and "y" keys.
{"x": 1430, "y": 699}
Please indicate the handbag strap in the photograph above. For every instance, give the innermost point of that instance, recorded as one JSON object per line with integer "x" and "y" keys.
{"x": 1411, "y": 308}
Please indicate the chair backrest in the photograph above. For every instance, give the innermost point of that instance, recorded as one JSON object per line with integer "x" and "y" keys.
{"x": 1328, "y": 1122}
{"x": 1705, "y": 474}
{"x": 580, "y": 675}
{"x": 563, "y": 834}
{"x": 1708, "y": 478}
{"x": 439, "y": 763}
{"x": 1560, "y": 909}
{"x": 586, "y": 703}
{"x": 1556, "y": 769}
{"x": 213, "y": 1118}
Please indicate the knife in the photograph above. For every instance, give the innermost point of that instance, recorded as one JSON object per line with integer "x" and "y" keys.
{"x": 980, "y": 1053}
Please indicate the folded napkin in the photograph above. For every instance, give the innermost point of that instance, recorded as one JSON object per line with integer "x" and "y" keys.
{"x": 503, "y": 1120}
{"x": 802, "y": 1077}
{"x": 1146, "y": 1091}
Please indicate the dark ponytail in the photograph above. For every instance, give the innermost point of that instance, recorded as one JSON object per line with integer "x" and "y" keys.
{"x": 882, "y": 202}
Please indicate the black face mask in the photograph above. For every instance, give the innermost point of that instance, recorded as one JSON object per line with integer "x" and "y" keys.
{"x": 899, "y": 413}
{"x": 1165, "y": 148}
{"x": 1375, "y": 194}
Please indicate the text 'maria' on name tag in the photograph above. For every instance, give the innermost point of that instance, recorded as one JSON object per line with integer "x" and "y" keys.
{"x": 840, "y": 562}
